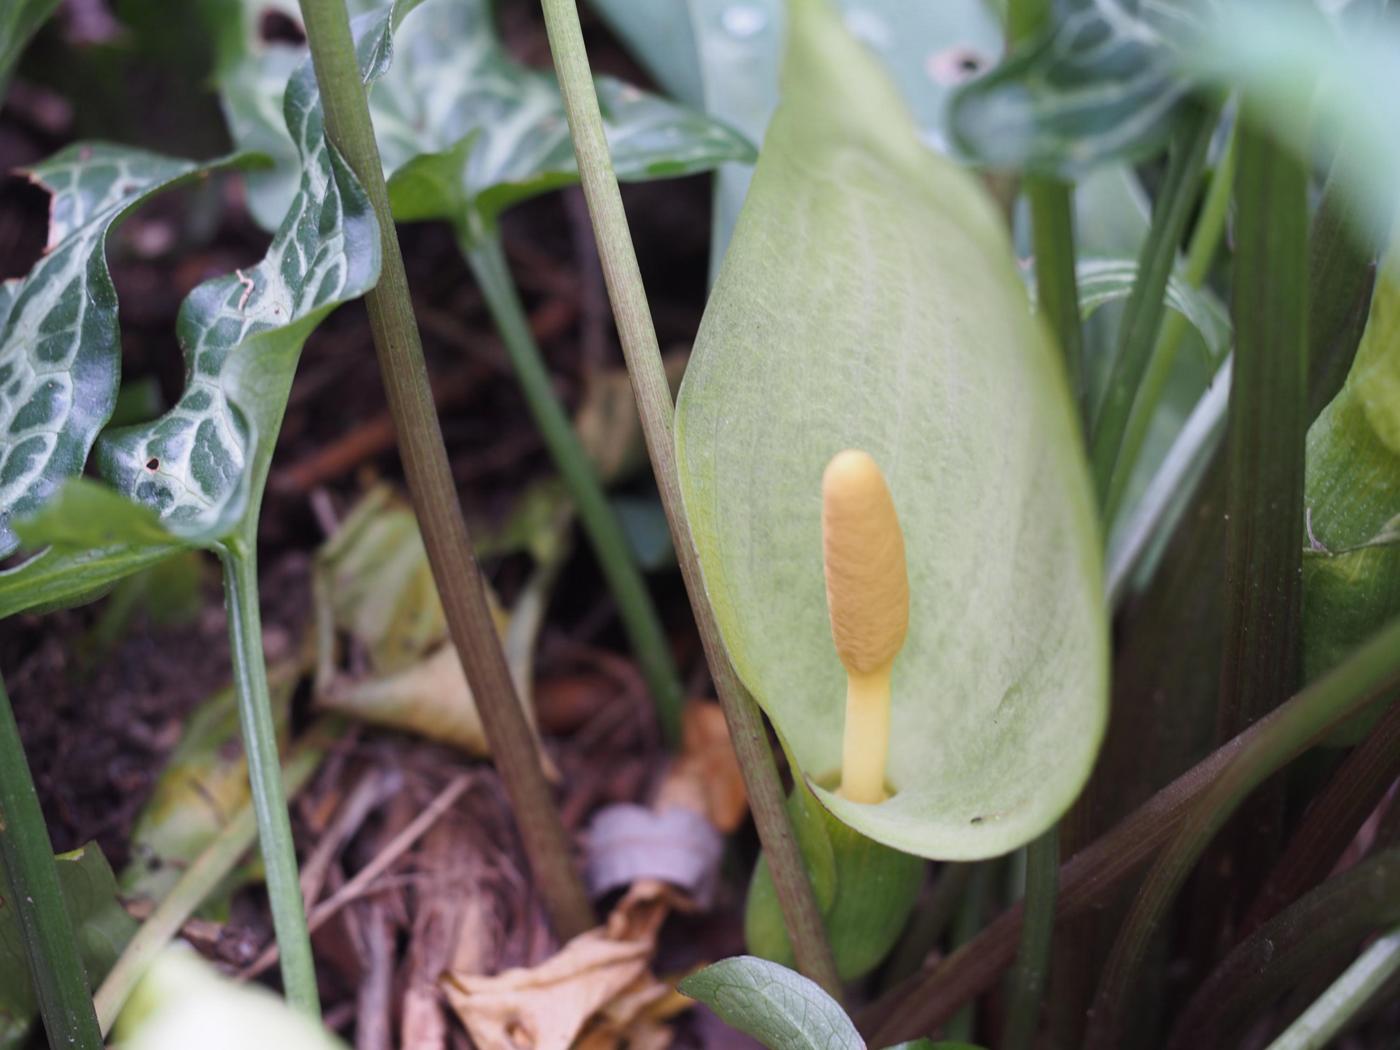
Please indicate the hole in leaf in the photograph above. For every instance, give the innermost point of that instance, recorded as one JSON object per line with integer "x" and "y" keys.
{"x": 152, "y": 464}
{"x": 954, "y": 65}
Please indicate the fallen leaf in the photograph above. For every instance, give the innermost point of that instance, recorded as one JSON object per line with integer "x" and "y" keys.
{"x": 706, "y": 777}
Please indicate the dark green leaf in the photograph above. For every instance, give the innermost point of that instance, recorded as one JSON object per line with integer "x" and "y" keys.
{"x": 19, "y": 20}
{"x": 781, "y": 1009}
{"x": 59, "y": 345}
{"x": 102, "y": 925}
{"x": 1100, "y": 83}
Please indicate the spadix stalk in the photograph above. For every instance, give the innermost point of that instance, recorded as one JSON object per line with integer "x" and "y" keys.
{"x": 867, "y": 595}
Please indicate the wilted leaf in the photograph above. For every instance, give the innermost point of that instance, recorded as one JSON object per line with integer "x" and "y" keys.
{"x": 1100, "y": 83}
{"x": 94, "y": 537}
{"x": 183, "y": 1002}
{"x": 781, "y": 1009}
{"x": 103, "y": 928}
{"x": 870, "y": 299}
{"x": 203, "y": 786}
{"x": 1351, "y": 566}
{"x": 549, "y": 1005}
{"x": 60, "y": 352}
{"x": 19, "y": 20}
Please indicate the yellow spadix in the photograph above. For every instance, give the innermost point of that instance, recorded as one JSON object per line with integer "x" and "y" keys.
{"x": 867, "y": 596}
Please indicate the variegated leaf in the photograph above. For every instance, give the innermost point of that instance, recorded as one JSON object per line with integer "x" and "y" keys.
{"x": 202, "y": 465}
{"x": 1102, "y": 82}
{"x": 59, "y": 343}
{"x": 463, "y": 128}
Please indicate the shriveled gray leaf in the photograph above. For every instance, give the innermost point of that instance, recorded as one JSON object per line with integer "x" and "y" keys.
{"x": 781, "y": 1009}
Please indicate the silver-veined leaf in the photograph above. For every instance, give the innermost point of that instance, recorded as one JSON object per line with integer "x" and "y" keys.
{"x": 60, "y": 351}
{"x": 202, "y": 465}
{"x": 781, "y": 1009}
{"x": 1104, "y": 281}
{"x": 870, "y": 299}
{"x": 1101, "y": 82}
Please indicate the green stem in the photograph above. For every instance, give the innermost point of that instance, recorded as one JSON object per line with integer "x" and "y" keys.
{"x": 1205, "y": 242}
{"x": 654, "y": 405}
{"x": 1369, "y": 672}
{"x": 1336, "y": 915}
{"x": 929, "y": 924}
{"x": 1057, "y": 288}
{"x": 1029, "y": 979}
{"x": 927, "y": 1000}
{"x": 430, "y": 483}
{"x": 639, "y": 617}
{"x": 1142, "y": 317}
{"x": 265, "y": 776}
{"x": 199, "y": 880}
{"x": 966, "y": 923}
{"x": 1346, "y": 998}
{"x": 29, "y": 879}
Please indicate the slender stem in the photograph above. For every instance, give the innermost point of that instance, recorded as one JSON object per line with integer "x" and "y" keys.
{"x": 455, "y": 571}
{"x": 30, "y": 883}
{"x": 265, "y": 776}
{"x": 927, "y": 1000}
{"x": 1347, "y": 997}
{"x": 929, "y": 923}
{"x": 639, "y": 346}
{"x": 1369, "y": 672}
{"x": 200, "y": 879}
{"x": 1057, "y": 288}
{"x": 1205, "y": 242}
{"x": 638, "y": 614}
{"x": 1031, "y": 975}
{"x": 1335, "y": 916}
{"x": 966, "y": 923}
{"x": 1142, "y": 317}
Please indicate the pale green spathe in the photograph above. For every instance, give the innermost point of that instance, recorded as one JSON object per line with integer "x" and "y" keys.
{"x": 870, "y": 299}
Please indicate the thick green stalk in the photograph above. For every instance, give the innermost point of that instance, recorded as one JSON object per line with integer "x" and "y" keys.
{"x": 1346, "y": 998}
{"x": 455, "y": 571}
{"x": 29, "y": 880}
{"x": 927, "y": 1000}
{"x": 1200, "y": 253}
{"x": 1031, "y": 975}
{"x": 1057, "y": 288}
{"x": 966, "y": 923}
{"x": 199, "y": 880}
{"x": 638, "y": 614}
{"x": 265, "y": 775}
{"x": 654, "y": 405}
{"x": 1142, "y": 317}
{"x": 1267, "y": 427}
{"x": 1335, "y": 916}
{"x": 1371, "y": 671}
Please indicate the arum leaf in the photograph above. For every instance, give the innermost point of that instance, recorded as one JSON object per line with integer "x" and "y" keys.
{"x": 1351, "y": 567}
{"x": 60, "y": 354}
{"x": 1100, "y": 83}
{"x": 870, "y": 300}
{"x": 102, "y": 925}
{"x": 781, "y": 1009}
{"x": 1103, "y": 281}
{"x": 203, "y": 464}
{"x": 723, "y": 56}
{"x": 19, "y": 20}
{"x": 464, "y": 130}
{"x": 94, "y": 537}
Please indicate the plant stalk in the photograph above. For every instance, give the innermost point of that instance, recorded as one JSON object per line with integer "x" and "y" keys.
{"x": 199, "y": 880}
{"x": 434, "y": 494}
{"x": 1347, "y": 997}
{"x": 927, "y": 1000}
{"x": 279, "y": 854}
{"x": 29, "y": 880}
{"x": 1371, "y": 671}
{"x": 654, "y": 405}
{"x": 1057, "y": 287}
{"x": 638, "y": 614}
{"x": 1142, "y": 317}
{"x": 1031, "y": 974}
{"x": 1200, "y": 253}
